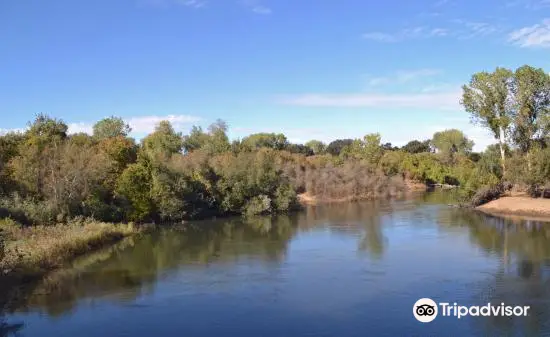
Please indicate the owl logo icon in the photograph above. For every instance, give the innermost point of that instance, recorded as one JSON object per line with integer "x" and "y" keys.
{"x": 425, "y": 310}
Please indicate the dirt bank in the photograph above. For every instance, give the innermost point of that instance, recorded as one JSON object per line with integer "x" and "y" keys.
{"x": 519, "y": 206}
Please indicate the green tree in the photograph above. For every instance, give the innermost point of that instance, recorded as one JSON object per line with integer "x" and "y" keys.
{"x": 9, "y": 148}
{"x": 452, "y": 141}
{"x": 111, "y": 127}
{"x": 163, "y": 142}
{"x": 372, "y": 147}
{"x": 195, "y": 140}
{"x": 46, "y": 130}
{"x": 218, "y": 141}
{"x": 317, "y": 146}
{"x": 489, "y": 100}
{"x": 214, "y": 141}
{"x": 415, "y": 146}
{"x": 276, "y": 141}
{"x": 335, "y": 147}
{"x": 134, "y": 184}
{"x": 531, "y": 118}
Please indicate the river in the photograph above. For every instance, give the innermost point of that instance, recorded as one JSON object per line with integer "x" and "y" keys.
{"x": 342, "y": 270}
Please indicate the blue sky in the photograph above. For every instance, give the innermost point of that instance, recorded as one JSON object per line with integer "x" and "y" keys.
{"x": 310, "y": 69}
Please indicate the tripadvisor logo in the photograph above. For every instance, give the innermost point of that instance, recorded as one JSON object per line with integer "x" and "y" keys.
{"x": 426, "y": 310}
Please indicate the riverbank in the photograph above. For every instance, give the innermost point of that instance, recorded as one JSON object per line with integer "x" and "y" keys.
{"x": 405, "y": 187}
{"x": 32, "y": 251}
{"x": 518, "y": 206}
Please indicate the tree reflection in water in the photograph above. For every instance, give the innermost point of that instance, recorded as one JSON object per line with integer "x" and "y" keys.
{"x": 523, "y": 274}
{"x": 125, "y": 272}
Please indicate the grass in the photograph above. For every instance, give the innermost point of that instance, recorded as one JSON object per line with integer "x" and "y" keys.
{"x": 35, "y": 250}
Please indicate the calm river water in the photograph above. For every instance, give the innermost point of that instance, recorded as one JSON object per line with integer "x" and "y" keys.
{"x": 341, "y": 270}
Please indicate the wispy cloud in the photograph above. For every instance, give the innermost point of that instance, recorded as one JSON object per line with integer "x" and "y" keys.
{"x": 146, "y": 124}
{"x": 471, "y": 29}
{"x": 166, "y": 3}
{"x": 406, "y": 34}
{"x": 403, "y": 76}
{"x": 437, "y": 100}
{"x": 256, "y": 7}
{"x": 537, "y": 35}
{"x": 440, "y": 3}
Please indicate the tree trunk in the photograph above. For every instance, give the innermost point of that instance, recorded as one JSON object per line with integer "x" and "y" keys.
{"x": 501, "y": 143}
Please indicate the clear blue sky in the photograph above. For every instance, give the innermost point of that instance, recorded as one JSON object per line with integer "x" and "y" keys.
{"x": 311, "y": 69}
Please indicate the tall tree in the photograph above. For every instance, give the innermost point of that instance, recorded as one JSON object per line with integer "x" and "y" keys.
{"x": 489, "y": 100}
{"x": 531, "y": 118}
{"x": 452, "y": 141}
{"x": 111, "y": 127}
{"x": 165, "y": 141}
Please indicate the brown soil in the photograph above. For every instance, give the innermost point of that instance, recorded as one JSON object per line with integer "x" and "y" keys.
{"x": 518, "y": 205}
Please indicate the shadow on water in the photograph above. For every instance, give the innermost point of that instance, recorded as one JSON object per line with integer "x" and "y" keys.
{"x": 126, "y": 271}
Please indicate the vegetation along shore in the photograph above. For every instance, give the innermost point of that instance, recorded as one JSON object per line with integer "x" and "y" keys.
{"x": 49, "y": 179}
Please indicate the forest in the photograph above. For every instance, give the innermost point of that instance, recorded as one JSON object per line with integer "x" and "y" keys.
{"x": 48, "y": 176}
{"x": 63, "y": 194}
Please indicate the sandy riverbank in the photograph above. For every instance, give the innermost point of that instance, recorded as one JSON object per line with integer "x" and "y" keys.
{"x": 518, "y": 206}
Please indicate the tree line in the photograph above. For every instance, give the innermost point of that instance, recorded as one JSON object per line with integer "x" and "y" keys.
{"x": 48, "y": 175}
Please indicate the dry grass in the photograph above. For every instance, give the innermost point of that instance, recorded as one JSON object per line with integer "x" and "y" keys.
{"x": 34, "y": 250}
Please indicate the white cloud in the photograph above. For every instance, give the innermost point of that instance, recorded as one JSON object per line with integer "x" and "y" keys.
{"x": 141, "y": 124}
{"x": 406, "y": 34}
{"x": 438, "y": 100}
{"x": 256, "y": 7}
{"x": 471, "y": 29}
{"x": 403, "y": 76}
{"x": 533, "y": 36}
{"x": 80, "y": 127}
{"x": 381, "y": 37}
{"x": 261, "y": 10}
{"x": 441, "y": 3}
{"x": 480, "y": 28}
{"x": 166, "y": 3}
{"x": 147, "y": 124}
{"x": 192, "y": 3}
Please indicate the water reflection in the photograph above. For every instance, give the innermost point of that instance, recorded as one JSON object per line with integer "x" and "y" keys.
{"x": 382, "y": 231}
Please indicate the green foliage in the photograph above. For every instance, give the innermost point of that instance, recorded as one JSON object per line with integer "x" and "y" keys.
{"x": 335, "y": 147}
{"x": 415, "y": 146}
{"x": 44, "y": 130}
{"x": 452, "y": 141}
{"x": 269, "y": 140}
{"x": 111, "y": 127}
{"x": 163, "y": 142}
{"x": 257, "y": 205}
{"x": 368, "y": 149}
{"x": 425, "y": 167}
{"x": 134, "y": 184}
{"x": 317, "y": 146}
{"x": 531, "y": 118}
{"x": 390, "y": 163}
{"x": 215, "y": 141}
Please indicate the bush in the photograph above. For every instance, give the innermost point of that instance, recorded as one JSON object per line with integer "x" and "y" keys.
{"x": 257, "y": 205}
